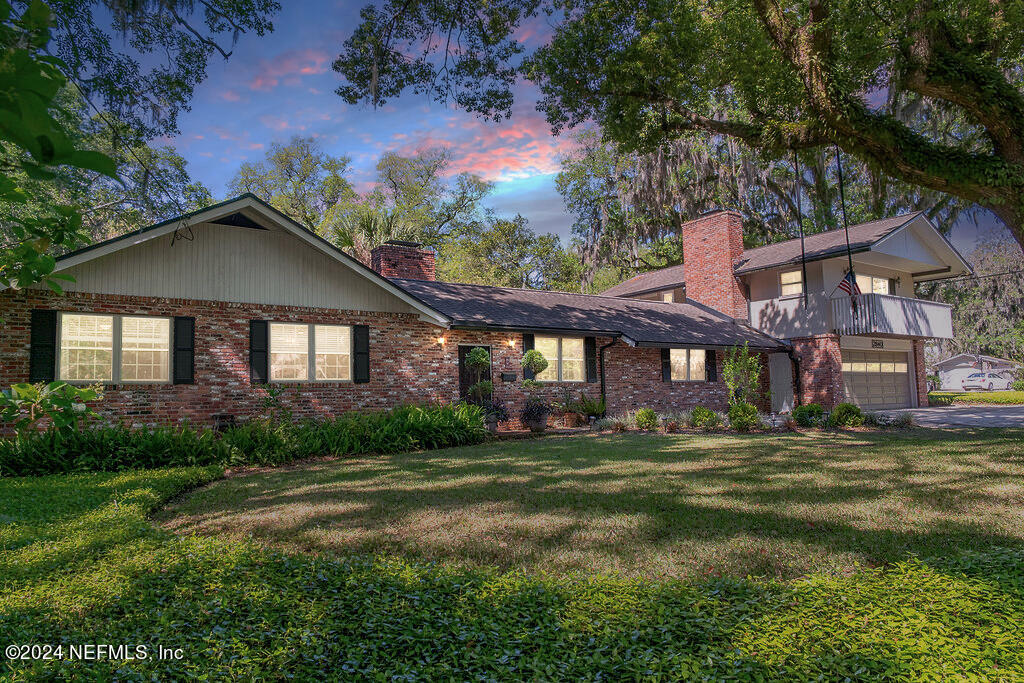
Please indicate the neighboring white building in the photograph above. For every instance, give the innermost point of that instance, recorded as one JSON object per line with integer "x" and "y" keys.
{"x": 955, "y": 369}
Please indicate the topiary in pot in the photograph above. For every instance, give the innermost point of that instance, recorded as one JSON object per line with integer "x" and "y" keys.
{"x": 494, "y": 412}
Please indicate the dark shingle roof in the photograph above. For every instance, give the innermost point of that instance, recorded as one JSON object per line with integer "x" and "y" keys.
{"x": 665, "y": 278}
{"x": 821, "y": 245}
{"x": 647, "y": 323}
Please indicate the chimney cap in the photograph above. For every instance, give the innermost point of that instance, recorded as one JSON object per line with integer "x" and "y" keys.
{"x": 405, "y": 243}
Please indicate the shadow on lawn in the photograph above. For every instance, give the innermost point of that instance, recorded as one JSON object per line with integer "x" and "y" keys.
{"x": 778, "y": 505}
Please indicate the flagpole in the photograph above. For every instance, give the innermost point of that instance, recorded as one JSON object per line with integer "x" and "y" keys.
{"x": 800, "y": 224}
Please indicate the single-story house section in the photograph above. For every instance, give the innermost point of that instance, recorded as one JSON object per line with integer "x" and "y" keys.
{"x": 955, "y": 369}
{"x": 188, "y": 320}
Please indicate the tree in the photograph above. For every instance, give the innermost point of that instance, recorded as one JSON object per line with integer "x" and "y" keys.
{"x": 169, "y": 44}
{"x": 302, "y": 181}
{"x": 505, "y": 252}
{"x": 630, "y": 206}
{"x": 927, "y": 93}
{"x": 988, "y": 307}
{"x": 36, "y": 145}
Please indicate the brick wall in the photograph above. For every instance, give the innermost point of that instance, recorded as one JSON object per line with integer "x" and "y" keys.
{"x": 403, "y": 260}
{"x": 712, "y": 245}
{"x": 408, "y": 363}
{"x": 821, "y": 370}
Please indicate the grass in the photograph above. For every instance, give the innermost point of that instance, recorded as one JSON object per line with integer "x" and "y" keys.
{"x": 82, "y": 562}
{"x": 976, "y": 397}
{"x": 641, "y": 505}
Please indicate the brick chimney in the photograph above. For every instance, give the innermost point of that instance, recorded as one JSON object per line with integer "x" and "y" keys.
{"x": 712, "y": 244}
{"x": 396, "y": 258}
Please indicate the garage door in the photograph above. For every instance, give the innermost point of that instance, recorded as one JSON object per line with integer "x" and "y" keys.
{"x": 876, "y": 379}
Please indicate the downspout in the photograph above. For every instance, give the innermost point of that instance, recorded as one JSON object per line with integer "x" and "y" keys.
{"x": 796, "y": 384}
{"x": 600, "y": 362}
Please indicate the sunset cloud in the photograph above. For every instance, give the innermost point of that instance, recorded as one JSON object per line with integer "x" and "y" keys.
{"x": 288, "y": 67}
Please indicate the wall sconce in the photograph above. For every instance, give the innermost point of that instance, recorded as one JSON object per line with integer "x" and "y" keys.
{"x": 511, "y": 342}
{"x": 440, "y": 340}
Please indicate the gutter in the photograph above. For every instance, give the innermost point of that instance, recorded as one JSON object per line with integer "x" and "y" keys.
{"x": 797, "y": 389}
{"x": 600, "y": 363}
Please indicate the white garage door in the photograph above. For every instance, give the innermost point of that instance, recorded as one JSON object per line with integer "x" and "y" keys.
{"x": 876, "y": 379}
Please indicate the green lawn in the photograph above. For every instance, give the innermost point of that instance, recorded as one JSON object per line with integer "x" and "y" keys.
{"x": 648, "y": 506}
{"x": 81, "y": 562}
{"x": 979, "y": 397}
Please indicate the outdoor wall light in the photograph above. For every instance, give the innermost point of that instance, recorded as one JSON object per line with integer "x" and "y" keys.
{"x": 440, "y": 340}
{"x": 511, "y": 342}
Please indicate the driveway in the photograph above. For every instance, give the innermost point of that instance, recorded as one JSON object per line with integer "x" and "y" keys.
{"x": 966, "y": 416}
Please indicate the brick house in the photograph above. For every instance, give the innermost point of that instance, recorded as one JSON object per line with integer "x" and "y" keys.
{"x": 192, "y": 318}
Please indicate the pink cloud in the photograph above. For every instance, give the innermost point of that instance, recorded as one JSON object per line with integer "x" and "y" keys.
{"x": 276, "y": 123}
{"x": 288, "y": 67}
{"x": 230, "y": 96}
{"x": 242, "y": 140}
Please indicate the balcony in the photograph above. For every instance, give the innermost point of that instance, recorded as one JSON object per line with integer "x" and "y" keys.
{"x": 876, "y": 314}
{"x": 885, "y": 314}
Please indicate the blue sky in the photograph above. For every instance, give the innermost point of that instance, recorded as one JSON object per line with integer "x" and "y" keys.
{"x": 282, "y": 85}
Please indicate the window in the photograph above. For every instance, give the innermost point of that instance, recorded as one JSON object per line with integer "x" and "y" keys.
{"x": 688, "y": 365}
{"x": 870, "y": 284}
{"x": 145, "y": 349}
{"x": 114, "y": 348}
{"x": 791, "y": 282}
{"x": 299, "y": 351}
{"x": 565, "y": 356}
{"x": 668, "y": 296}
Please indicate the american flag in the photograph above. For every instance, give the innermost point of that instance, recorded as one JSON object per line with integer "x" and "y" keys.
{"x": 849, "y": 284}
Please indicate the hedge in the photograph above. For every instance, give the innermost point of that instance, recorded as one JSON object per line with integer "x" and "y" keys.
{"x": 260, "y": 442}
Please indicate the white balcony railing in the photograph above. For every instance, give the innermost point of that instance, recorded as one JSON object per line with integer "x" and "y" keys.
{"x": 885, "y": 314}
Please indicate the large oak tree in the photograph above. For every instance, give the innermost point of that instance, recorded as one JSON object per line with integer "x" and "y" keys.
{"x": 928, "y": 92}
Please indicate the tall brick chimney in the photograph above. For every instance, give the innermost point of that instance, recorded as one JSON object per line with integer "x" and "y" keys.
{"x": 712, "y": 244}
{"x": 396, "y": 258}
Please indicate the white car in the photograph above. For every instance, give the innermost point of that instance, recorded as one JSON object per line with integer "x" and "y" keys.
{"x": 986, "y": 381}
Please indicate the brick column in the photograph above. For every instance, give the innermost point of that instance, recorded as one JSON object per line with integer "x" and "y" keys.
{"x": 920, "y": 376}
{"x": 821, "y": 370}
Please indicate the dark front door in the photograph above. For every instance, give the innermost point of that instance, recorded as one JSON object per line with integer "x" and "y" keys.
{"x": 467, "y": 377}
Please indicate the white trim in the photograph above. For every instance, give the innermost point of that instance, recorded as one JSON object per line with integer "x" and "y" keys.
{"x": 310, "y": 353}
{"x": 279, "y": 220}
{"x": 117, "y": 343}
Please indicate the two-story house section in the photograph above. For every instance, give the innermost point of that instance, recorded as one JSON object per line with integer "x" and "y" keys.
{"x": 867, "y": 349}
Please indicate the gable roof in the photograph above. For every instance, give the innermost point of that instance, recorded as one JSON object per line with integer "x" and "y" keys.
{"x": 638, "y": 322}
{"x": 251, "y": 202}
{"x": 652, "y": 281}
{"x": 974, "y": 357}
{"x": 823, "y": 244}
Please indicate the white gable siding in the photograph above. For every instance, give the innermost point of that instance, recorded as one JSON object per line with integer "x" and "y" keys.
{"x": 225, "y": 263}
{"x": 909, "y": 244}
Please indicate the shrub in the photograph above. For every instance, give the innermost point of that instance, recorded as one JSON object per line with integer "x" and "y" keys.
{"x": 1018, "y": 385}
{"x": 743, "y": 417}
{"x": 495, "y": 409}
{"x": 741, "y": 372}
{"x": 903, "y": 421}
{"x": 646, "y": 419}
{"x": 259, "y": 442}
{"x": 704, "y": 418}
{"x": 591, "y": 407}
{"x": 846, "y": 415}
{"x": 940, "y": 399}
{"x": 535, "y": 409}
{"x": 808, "y": 415}
{"x": 64, "y": 405}
{"x": 671, "y": 426}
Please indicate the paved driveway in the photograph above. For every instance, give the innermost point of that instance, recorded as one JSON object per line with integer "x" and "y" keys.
{"x": 966, "y": 416}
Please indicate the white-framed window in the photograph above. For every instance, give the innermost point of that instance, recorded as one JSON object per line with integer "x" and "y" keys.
{"x": 791, "y": 282}
{"x": 117, "y": 349}
{"x": 565, "y": 356}
{"x": 301, "y": 351}
{"x": 668, "y": 296}
{"x": 688, "y": 365}
{"x": 872, "y": 284}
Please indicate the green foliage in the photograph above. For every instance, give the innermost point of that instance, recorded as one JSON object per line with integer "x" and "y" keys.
{"x": 646, "y": 419}
{"x": 1006, "y": 398}
{"x": 846, "y": 415}
{"x": 808, "y": 415}
{"x": 1018, "y": 385}
{"x": 743, "y": 417}
{"x": 741, "y": 372}
{"x": 79, "y": 556}
{"x": 478, "y": 359}
{"x": 591, "y": 407}
{"x": 703, "y": 418}
{"x": 63, "y": 405}
{"x": 482, "y": 389}
{"x": 258, "y": 442}
{"x": 534, "y": 361}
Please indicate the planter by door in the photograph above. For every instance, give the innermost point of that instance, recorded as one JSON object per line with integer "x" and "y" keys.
{"x": 466, "y": 376}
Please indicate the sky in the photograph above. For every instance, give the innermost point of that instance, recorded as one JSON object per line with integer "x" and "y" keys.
{"x": 282, "y": 85}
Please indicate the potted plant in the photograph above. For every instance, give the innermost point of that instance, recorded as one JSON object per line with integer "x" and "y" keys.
{"x": 535, "y": 412}
{"x": 494, "y": 412}
{"x": 478, "y": 361}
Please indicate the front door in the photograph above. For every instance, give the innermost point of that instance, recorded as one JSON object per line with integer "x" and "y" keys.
{"x": 467, "y": 377}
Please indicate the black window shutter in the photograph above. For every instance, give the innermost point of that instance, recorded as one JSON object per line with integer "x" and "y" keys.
{"x": 360, "y": 354}
{"x": 527, "y": 346}
{"x": 42, "y": 355}
{"x": 711, "y": 365}
{"x": 590, "y": 356}
{"x": 259, "y": 351}
{"x": 666, "y": 365}
{"x": 892, "y": 286}
{"x": 184, "y": 350}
